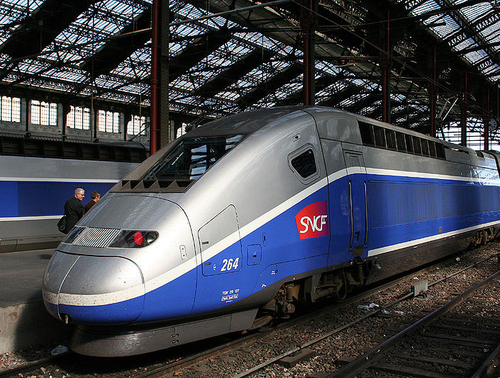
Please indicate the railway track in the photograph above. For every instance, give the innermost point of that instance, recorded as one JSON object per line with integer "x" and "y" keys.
{"x": 479, "y": 342}
{"x": 448, "y": 342}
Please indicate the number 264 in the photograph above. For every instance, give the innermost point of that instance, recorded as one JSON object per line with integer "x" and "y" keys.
{"x": 230, "y": 264}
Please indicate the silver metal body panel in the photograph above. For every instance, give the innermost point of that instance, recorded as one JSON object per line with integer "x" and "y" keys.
{"x": 140, "y": 212}
{"x": 258, "y": 165}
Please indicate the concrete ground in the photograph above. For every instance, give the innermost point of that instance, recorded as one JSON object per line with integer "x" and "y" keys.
{"x": 24, "y": 322}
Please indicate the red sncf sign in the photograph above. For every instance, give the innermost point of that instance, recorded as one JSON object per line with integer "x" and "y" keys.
{"x": 312, "y": 220}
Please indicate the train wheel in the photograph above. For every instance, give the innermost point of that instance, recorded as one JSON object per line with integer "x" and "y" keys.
{"x": 342, "y": 290}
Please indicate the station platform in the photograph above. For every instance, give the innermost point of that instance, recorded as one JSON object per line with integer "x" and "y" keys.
{"x": 24, "y": 322}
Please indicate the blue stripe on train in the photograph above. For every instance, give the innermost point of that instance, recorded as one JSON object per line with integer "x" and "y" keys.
{"x": 406, "y": 209}
{"x": 27, "y": 198}
{"x": 117, "y": 313}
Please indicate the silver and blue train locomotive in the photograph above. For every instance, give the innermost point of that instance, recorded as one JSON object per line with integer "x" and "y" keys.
{"x": 245, "y": 217}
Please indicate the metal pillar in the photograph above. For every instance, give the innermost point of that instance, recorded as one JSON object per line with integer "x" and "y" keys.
{"x": 308, "y": 24}
{"x": 463, "y": 115}
{"x": 432, "y": 95}
{"x": 486, "y": 121}
{"x": 160, "y": 133}
{"x": 385, "y": 65}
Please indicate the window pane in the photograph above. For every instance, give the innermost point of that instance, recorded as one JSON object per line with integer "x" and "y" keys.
{"x": 305, "y": 164}
{"x": 391, "y": 139}
{"x": 191, "y": 157}
{"x": 379, "y": 136}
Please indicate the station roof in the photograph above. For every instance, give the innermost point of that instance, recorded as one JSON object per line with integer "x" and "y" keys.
{"x": 227, "y": 56}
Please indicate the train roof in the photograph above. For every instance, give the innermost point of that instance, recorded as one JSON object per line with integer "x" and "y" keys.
{"x": 245, "y": 122}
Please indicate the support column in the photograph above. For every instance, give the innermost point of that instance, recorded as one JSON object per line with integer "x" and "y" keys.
{"x": 160, "y": 133}
{"x": 486, "y": 145}
{"x": 486, "y": 121}
{"x": 127, "y": 116}
{"x": 432, "y": 95}
{"x": 463, "y": 115}
{"x": 308, "y": 24}
{"x": 385, "y": 66}
{"x": 66, "y": 109}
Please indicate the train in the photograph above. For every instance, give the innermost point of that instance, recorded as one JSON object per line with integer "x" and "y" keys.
{"x": 243, "y": 219}
{"x": 35, "y": 187}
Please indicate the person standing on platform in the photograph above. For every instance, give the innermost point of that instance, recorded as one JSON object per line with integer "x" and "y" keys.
{"x": 73, "y": 209}
{"x": 96, "y": 196}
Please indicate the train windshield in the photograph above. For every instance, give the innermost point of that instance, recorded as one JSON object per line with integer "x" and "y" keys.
{"x": 191, "y": 158}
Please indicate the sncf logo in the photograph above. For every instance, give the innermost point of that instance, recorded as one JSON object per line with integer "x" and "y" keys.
{"x": 312, "y": 220}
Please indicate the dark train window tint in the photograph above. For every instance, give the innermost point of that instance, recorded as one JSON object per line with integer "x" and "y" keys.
{"x": 440, "y": 151}
{"x": 379, "y": 136}
{"x": 366, "y": 132}
{"x": 191, "y": 157}
{"x": 409, "y": 143}
{"x": 432, "y": 149}
{"x": 417, "y": 147}
{"x": 391, "y": 139}
{"x": 305, "y": 164}
{"x": 425, "y": 147}
{"x": 400, "y": 137}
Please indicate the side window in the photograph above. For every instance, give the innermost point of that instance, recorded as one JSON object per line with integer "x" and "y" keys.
{"x": 401, "y": 142}
{"x": 366, "y": 131}
{"x": 425, "y": 147}
{"x": 409, "y": 143}
{"x": 305, "y": 164}
{"x": 440, "y": 151}
{"x": 379, "y": 136}
{"x": 432, "y": 149}
{"x": 417, "y": 146}
{"x": 390, "y": 136}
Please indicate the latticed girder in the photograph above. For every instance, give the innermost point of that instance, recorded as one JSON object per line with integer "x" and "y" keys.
{"x": 226, "y": 56}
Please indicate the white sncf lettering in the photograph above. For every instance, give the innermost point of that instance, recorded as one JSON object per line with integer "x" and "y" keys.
{"x": 316, "y": 223}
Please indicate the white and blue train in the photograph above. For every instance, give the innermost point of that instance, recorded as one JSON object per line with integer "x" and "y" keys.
{"x": 242, "y": 219}
{"x": 34, "y": 190}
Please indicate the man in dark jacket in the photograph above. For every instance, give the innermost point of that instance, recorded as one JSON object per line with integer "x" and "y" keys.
{"x": 73, "y": 209}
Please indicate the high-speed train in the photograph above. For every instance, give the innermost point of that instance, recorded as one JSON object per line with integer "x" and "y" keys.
{"x": 34, "y": 190}
{"x": 245, "y": 217}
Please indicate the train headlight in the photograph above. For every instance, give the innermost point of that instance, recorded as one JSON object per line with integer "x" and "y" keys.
{"x": 134, "y": 239}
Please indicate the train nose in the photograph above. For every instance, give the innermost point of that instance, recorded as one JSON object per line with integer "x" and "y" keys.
{"x": 93, "y": 289}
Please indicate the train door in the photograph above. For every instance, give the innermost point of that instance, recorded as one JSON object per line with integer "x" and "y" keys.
{"x": 221, "y": 258}
{"x": 358, "y": 220}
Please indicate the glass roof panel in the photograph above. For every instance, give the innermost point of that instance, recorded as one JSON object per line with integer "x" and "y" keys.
{"x": 61, "y": 64}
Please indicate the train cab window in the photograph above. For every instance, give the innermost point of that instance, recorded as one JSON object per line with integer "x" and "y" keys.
{"x": 379, "y": 136}
{"x": 400, "y": 137}
{"x": 304, "y": 164}
{"x": 191, "y": 157}
{"x": 391, "y": 139}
